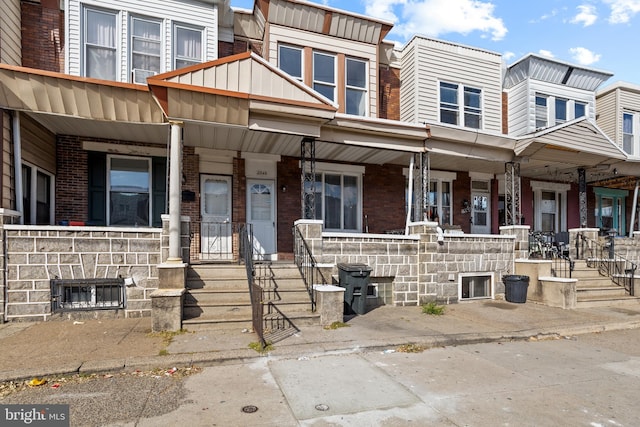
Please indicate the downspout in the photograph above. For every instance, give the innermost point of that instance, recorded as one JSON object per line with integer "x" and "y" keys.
{"x": 410, "y": 194}
{"x": 635, "y": 207}
{"x": 17, "y": 164}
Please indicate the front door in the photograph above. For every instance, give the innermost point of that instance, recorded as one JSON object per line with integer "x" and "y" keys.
{"x": 261, "y": 215}
{"x": 215, "y": 209}
{"x": 480, "y": 213}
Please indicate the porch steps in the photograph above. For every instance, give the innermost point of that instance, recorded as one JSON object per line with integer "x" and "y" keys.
{"x": 595, "y": 290}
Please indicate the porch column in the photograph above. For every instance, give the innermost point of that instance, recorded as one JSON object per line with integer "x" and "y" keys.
{"x": 512, "y": 193}
{"x": 308, "y": 177}
{"x": 634, "y": 208}
{"x": 17, "y": 164}
{"x": 175, "y": 183}
{"x": 582, "y": 188}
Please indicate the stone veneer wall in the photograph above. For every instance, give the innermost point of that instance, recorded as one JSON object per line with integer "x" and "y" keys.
{"x": 37, "y": 254}
{"x": 421, "y": 268}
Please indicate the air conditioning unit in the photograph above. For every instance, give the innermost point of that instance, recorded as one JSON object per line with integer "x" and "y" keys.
{"x": 140, "y": 75}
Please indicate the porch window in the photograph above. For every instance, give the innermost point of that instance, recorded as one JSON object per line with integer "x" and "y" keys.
{"x": 475, "y": 286}
{"x": 630, "y": 134}
{"x": 440, "y": 202}
{"x": 324, "y": 74}
{"x": 610, "y": 209}
{"x": 100, "y": 51}
{"x": 129, "y": 191}
{"x": 356, "y": 95}
{"x": 451, "y": 100}
{"x": 541, "y": 112}
{"x": 145, "y": 49}
{"x": 290, "y": 61}
{"x": 187, "y": 46}
{"x": 549, "y": 206}
{"x": 37, "y": 195}
{"x": 338, "y": 200}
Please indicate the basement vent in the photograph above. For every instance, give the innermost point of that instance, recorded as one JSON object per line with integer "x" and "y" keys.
{"x": 87, "y": 294}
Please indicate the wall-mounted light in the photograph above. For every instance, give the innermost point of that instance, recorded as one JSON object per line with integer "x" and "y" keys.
{"x": 283, "y": 188}
{"x": 615, "y": 171}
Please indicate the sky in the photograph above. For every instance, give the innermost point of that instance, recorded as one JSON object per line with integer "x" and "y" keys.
{"x": 600, "y": 34}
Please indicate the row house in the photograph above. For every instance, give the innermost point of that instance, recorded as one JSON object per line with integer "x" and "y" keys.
{"x": 150, "y": 135}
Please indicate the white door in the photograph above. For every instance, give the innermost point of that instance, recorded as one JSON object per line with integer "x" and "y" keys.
{"x": 261, "y": 215}
{"x": 480, "y": 213}
{"x": 216, "y": 227}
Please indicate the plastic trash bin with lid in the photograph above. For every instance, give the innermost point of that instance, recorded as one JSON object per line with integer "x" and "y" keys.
{"x": 515, "y": 287}
{"x": 355, "y": 279}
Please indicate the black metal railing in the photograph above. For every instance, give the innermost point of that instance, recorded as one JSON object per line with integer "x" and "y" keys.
{"x": 544, "y": 245}
{"x": 255, "y": 291}
{"x": 215, "y": 241}
{"x": 311, "y": 274}
{"x": 87, "y": 294}
{"x": 603, "y": 257}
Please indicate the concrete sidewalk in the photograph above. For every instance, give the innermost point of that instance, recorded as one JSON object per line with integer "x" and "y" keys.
{"x": 92, "y": 346}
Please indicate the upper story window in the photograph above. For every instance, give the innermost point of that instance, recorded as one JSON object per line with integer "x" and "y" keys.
{"x": 356, "y": 95}
{"x": 630, "y": 134}
{"x": 580, "y": 109}
{"x": 187, "y": 46}
{"x": 551, "y": 110}
{"x": 324, "y": 74}
{"x": 541, "y": 111}
{"x": 145, "y": 49}
{"x": 290, "y": 60}
{"x": 100, "y": 51}
{"x": 453, "y": 97}
{"x": 561, "y": 110}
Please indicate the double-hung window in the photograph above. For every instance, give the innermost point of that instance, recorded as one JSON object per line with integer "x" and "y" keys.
{"x": 99, "y": 44}
{"x": 453, "y": 98}
{"x": 129, "y": 198}
{"x": 145, "y": 48}
{"x": 187, "y": 46}
{"x": 324, "y": 74}
{"x": 356, "y": 91}
{"x": 542, "y": 113}
{"x": 579, "y": 109}
{"x": 37, "y": 195}
{"x": 561, "y": 110}
{"x": 630, "y": 134}
{"x": 290, "y": 61}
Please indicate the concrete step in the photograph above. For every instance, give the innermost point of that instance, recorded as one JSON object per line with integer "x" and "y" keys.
{"x": 239, "y": 322}
{"x": 212, "y": 296}
{"x": 601, "y": 292}
{"x": 594, "y": 282}
{"x": 607, "y": 302}
{"x": 217, "y": 271}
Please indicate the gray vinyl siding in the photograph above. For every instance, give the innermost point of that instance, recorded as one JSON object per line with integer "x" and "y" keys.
{"x": 10, "y": 33}
{"x": 408, "y": 77}
{"x": 521, "y": 116}
{"x": 169, "y": 12}
{"x": 438, "y": 61}
{"x": 38, "y": 145}
{"x": 609, "y": 116}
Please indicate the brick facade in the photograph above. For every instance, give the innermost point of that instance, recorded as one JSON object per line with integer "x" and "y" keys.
{"x": 389, "y": 87}
{"x": 383, "y": 198}
{"x": 72, "y": 177}
{"x": 43, "y": 35}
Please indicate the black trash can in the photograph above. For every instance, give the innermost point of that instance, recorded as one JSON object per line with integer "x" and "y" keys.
{"x": 515, "y": 287}
{"x": 355, "y": 279}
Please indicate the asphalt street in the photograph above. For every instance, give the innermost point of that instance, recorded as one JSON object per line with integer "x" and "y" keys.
{"x": 585, "y": 380}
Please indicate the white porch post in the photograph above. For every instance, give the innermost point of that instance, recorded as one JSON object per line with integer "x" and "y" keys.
{"x": 17, "y": 163}
{"x": 175, "y": 183}
{"x": 633, "y": 210}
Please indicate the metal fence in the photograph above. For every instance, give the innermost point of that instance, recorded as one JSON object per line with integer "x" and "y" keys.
{"x": 307, "y": 265}
{"x": 543, "y": 245}
{"x": 215, "y": 241}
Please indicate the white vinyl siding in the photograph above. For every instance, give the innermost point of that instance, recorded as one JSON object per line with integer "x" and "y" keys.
{"x": 426, "y": 62}
{"x": 607, "y": 109}
{"x": 10, "y": 33}
{"x": 169, "y": 12}
{"x": 331, "y": 45}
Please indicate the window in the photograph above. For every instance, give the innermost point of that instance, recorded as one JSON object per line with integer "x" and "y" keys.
{"x": 580, "y": 109}
{"x": 338, "y": 200}
{"x": 100, "y": 52}
{"x": 439, "y": 200}
{"x": 549, "y": 206}
{"x": 561, "y": 110}
{"x": 290, "y": 61}
{"x": 541, "y": 112}
{"x": 356, "y": 96}
{"x": 475, "y": 285}
{"x": 87, "y": 294}
{"x": 630, "y": 134}
{"x": 187, "y": 46}
{"x": 450, "y": 105}
{"x": 145, "y": 49}
{"x": 610, "y": 209}
{"x": 324, "y": 75}
{"x": 129, "y": 191}
{"x": 37, "y": 196}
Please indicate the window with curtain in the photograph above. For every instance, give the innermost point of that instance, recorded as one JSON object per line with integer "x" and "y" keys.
{"x": 187, "y": 46}
{"x": 356, "y": 91}
{"x": 290, "y": 60}
{"x": 145, "y": 48}
{"x": 324, "y": 74}
{"x": 100, "y": 52}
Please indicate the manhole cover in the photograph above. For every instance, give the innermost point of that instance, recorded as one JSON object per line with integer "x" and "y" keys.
{"x": 249, "y": 409}
{"x": 322, "y": 407}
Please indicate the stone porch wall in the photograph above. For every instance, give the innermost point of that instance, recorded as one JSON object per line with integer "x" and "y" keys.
{"x": 37, "y": 254}
{"x": 421, "y": 268}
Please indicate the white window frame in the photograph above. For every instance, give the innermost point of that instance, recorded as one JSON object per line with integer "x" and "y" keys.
{"x": 489, "y": 274}
{"x": 174, "y": 54}
{"x": 556, "y": 103}
{"x": 329, "y": 84}
{"x": 549, "y": 112}
{"x": 139, "y": 75}
{"x": 632, "y": 146}
{"x": 541, "y": 111}
{"x": 291, "y": 47}
{"x": 85, "y": 44}
{"x": 438, "y": 178}
{"x": 362, "y": 90}
{"x": 150, "y": 187}
{"x": 33, "y": 194}
{"x": 461, "y": 108}
{"x": 561, "y": 191}
{"x": 575, "y": 106}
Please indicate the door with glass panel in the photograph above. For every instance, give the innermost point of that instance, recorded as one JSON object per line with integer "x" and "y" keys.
{"x": 261, "y": 216}
{"x": 216, "y": 227}
{"x": 480, "y": 213}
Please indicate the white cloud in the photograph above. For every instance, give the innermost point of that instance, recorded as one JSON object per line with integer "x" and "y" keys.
{"x": 623, "y": 10}
{"x": 438, "y": 17}
{"x": 544, "y": 17}
{"x": 587, "y": 15}
{"x": 584, "y": 56}
{"x": 508, "y": 55}
{"x": 546, "y": 53}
